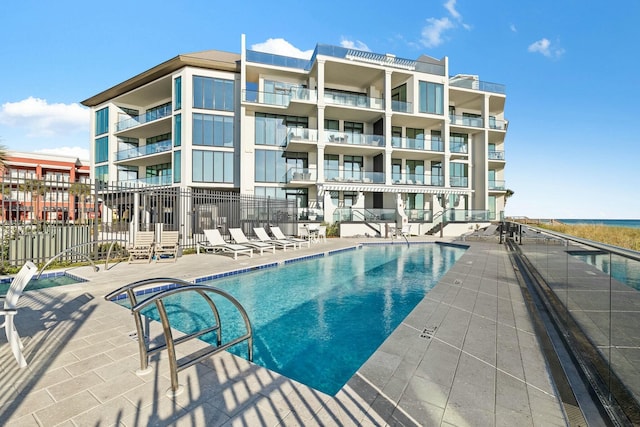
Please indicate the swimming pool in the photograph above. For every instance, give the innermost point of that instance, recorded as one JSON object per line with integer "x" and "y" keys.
{"x": 46, "y": 280}
{"x": 317, "y": 321}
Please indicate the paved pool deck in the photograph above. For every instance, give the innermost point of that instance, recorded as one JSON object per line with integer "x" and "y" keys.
{"x": 467, "y": 355}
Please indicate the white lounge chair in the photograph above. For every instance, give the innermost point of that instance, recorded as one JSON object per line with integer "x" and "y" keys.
{"x": 264, "y": 237}
{"x": 142, "y": 248}
{"x": 167, "y": 249}
{"x": 215, "y": 243}
{"x": 279, "y": 235}
{"x": 10, "y": 309}
{"x": 239, "y": 237}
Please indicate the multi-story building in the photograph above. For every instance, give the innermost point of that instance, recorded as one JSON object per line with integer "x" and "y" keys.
{"x": 352, "y": 136}
{"x": 43, "y": 187}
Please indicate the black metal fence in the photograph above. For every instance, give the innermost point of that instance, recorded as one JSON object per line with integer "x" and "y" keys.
{"x": 41, "y": 218}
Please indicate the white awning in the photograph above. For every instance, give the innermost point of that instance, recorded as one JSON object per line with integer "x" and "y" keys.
{"x": 380, "y": 188}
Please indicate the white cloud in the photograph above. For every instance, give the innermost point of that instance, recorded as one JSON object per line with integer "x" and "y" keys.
{"x": 432, "y": 34}
{"x": 38, "y": 118}
{"x": 79, "y": 152}
{"x": 545, "y": 47}
{"x": 513, "y": 28}
{"x": 350, "y": 44}
{"x": 451, "y": 7}
{"x": 282, "y": 47}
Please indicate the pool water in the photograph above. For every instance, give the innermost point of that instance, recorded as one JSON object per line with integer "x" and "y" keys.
{"x": 317, "y": 321}
{"x": 622, "y": 269}
{"x": 43, "y": 282}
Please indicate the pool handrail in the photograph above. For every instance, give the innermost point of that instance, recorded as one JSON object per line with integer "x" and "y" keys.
{"x": 169, "y": 341}
{"x": 71, "y": 251}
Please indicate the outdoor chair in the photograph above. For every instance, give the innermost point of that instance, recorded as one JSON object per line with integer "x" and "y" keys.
{"x": 322, "y": 233}
{"x": 215, "y": 243}
{"x": 167, "y": 249}
{"x": 239, "y": 237}
{"x": 279, "y": 235}
{"x": 10, "y": 309}
{"x": 142, "y": 248}
{"x": 264, "y": 237}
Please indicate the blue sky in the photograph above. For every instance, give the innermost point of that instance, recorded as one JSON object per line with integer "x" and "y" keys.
{"x": 573, "y": 92}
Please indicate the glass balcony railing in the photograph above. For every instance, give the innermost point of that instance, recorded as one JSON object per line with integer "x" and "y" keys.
{"x": 150, "y": 116}
{"x": 423, "y": 215}
{"x": 498, "y": 124}
{"x": 475, "y": 122}
{"x": 336, "y": 137}
{"x": 365, "y": 177}
{"x": 496, "y": 155}
{"x": 157, "y": 147}
{"x": 497, "y": 185}
{"x": 280, "y": 98}
{"x": 475, "y": 84}
{"x": 459, "y": 181}
{"x": 363, "y": 215}
{"x": 402, "y": 106}
{"x": 417, "y": 179}
{"x": 302, "y": 134}
{"x": 301, "y": 175}
{"x": 417, "y": 143}
{"x": 353, "y": 100}
{"x": 459, "y": 147}
{"x": 152, "y": 180}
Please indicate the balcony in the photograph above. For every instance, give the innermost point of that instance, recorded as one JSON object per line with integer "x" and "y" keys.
{"x": 151, "y": 180}
{"x": 402, "y": 107}
{"x": 496, "y": 155}
{"x": 476, "y": 122}
{"x": 353, "y": 100}
{"x": 498, "y": 124}
{"x": 300, "y": 175}
{"x": 417, "y": 144}
{"x": 418, "y": 179}
{"x": 471, "y": 82}
{"x": 144, "y": 150}
{"x": 336, "y": 175}
{"x": 348, "y": 138}
{"x": 497, "y": 185}
{"x": 280, "y": 98}
{"x": 361, "y": 214}
{"x": 459, "y": 147}
{"x": 459, "y": 181}
{"x": 419, "y": 215}
{"x": 150, "y": 116}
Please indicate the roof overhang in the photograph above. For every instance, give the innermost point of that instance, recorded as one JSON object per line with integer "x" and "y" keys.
{"x": 210, "y": 59}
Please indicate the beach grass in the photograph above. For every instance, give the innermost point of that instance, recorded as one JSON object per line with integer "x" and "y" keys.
{"x": 624, "y": 237}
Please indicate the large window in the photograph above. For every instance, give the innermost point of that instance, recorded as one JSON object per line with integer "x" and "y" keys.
{"x": 431, "y": 98}
{"x": 127, "y": 173}
{"x": 459, "y": 174}
{"x": 331, "y": 166}
{"x": 436, "y": 174}
{"x": 331, "y": 124}
{"x": 177, "y": 166}
{"x": 212, "y": 94}
{"x": 213, "y": 131}
{"x": 396, "y": 170}
{"x": 273, "y": 192}
{"x": 271, "y": 129}
{"x": 102, "y": 173}
{"x": 458, "y": 142}
{"x": 177, "y": 130}
{"x": 353, "y": 167}
{"x": 177, "y": 93}
{"x": 102, "y": 149}
{"x": 270, "y": 166}
{"x": 212, "y": 166}
{"x": 102, "y": 121}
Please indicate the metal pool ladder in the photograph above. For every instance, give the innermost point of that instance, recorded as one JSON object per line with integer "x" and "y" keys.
{"x": 178, "y": 286}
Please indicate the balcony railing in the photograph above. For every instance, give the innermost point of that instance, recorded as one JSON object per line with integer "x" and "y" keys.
{"x": 423, "y": 215}
{"x": 459, "y": 147}
{"x": 302, "y": 134}
{"x": 156, "y": 147}
{"x": 336, "y": 137}
{"x": 150, "y": 116}
{"x": 498, "y": 124}
{"x": 365, "y": 177}
{"x": 475, "y": 84}
{"x": 417, "y": 143}
{"x": 497, "y": 185}
{"x": 353, "y": 100}
{"x": 418, "y": 179}
{"x": 475, "y": 122}
{"x": 402, "y": 106}
{"x": 300, "y": 175}
{"x": 496, "y": 155}
{"x": 363, "y": 215}
{"x": 151, "y": 180}
{"x": 280, "y": 98}
{"x": 459, "y": 181}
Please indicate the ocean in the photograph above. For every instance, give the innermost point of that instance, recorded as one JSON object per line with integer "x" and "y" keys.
{"x": 632, "y": 223}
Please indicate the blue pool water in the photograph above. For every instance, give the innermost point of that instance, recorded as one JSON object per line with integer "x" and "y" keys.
{"x": 622, "y": 269}
{"x": 48, "y": 280}
{"x": 317, "y": 321}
